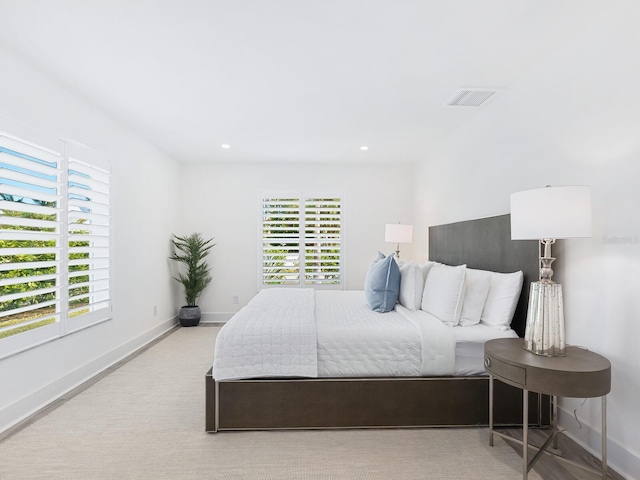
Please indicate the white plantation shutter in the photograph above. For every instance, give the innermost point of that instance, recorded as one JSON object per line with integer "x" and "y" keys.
{"x": 54, "y": 244}
{"x": 30, "y": 225}
{"x": 301, "y": 240}
{"x": 322, "y": 241}
{"x": 280, "y": 241}
{"x": 89, "y": 242}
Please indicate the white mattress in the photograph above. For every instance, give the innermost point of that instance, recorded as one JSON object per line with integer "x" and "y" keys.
{"x": 470, "y": 347}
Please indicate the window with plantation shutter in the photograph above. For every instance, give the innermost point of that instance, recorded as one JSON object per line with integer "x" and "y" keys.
{"x": 302, "y": 240}
{"x": 54, "y": 243}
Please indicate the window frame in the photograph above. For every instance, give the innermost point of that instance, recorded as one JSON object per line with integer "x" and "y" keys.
{"x": 97, "y": 171}
{"x": 302, "y": 197}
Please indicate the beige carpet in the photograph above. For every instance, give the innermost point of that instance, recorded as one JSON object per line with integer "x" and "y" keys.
{"x": 146, "y": 420}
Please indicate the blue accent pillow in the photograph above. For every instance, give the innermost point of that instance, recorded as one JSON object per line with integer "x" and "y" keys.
{"x": 382, "y": 284}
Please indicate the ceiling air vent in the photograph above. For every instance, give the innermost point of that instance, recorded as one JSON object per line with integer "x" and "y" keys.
{"x": 470, "y": 97}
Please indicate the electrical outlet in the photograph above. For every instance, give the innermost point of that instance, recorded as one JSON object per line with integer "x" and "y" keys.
{"x": 236, "y": 299}
{"x": 155, "y": 310}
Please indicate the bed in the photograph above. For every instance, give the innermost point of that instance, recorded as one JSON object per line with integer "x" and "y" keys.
{"x": 365, "y": 395}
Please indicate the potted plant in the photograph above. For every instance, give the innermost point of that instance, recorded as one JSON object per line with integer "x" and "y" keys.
{"x": 191, "y": 251}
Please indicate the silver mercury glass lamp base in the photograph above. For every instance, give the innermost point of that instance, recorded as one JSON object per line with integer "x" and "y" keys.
{"x": 544, "y": 332}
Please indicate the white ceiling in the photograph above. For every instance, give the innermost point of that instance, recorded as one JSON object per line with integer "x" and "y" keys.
{"x": 288, "y": 80}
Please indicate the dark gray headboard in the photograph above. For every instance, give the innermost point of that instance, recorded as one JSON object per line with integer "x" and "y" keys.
{"x": 486, "y": 244}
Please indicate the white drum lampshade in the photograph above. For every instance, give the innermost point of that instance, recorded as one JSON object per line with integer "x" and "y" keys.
{"x": 398, "y": 233}
{"x": 551, "y": 212}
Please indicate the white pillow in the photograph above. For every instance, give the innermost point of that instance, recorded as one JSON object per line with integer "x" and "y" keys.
{"x": 502, "y": 300}
{"x": 443, "y": 292}
{"x": 476, "y": 289}
{"x": 426, "y": 268}
{"x": 411, "y": 286}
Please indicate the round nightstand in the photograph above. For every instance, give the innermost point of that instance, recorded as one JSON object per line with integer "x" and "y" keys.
{"x": 580, "y": 373}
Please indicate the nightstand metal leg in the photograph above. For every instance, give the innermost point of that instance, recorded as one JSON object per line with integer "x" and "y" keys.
{"x": 539, "y": 410}
{"x": 525, "y": 432}
{"x": 491, "y": 410}
{"x": 554, "y": 420}
{"x": 604, "y": 437}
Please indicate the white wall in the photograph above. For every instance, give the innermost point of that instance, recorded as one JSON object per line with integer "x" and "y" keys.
{"x": 575, "y": 121}
{"x": 223, "y": 201}
{"x": 145, "y": 212}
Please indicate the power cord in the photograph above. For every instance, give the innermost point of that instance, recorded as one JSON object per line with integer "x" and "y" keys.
{"x": 575, "y": 413}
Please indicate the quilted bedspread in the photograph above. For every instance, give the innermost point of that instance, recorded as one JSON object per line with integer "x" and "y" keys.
{"x": 274, "y": 335}
{"x": 354, "y": 341}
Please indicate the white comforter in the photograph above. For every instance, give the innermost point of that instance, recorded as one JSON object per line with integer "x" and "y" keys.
{"x": 307, "y": 333}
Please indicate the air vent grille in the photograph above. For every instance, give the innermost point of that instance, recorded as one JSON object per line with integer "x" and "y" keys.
{"x": 470, "y": 97}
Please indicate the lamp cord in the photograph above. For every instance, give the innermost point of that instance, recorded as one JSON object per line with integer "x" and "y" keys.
{"x": 575, "y": 415}
{"x": 575, "y": 411}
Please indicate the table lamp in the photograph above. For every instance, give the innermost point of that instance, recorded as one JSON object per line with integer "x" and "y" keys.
{"x": 547, "y": 214}
{"x": 398, "y": 233}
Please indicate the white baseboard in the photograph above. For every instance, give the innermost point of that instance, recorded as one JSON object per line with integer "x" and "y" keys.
{"x": 219, "y": 317}
{"x": 27, "y": 406}
{"x": 619, "y": 457}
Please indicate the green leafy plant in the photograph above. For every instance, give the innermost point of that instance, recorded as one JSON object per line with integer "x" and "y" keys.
{"x": 191, "y": 251}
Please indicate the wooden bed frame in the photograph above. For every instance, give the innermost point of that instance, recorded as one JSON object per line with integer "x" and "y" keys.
{"x": 325, "y": 403}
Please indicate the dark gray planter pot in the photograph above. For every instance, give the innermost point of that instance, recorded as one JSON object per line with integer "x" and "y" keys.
{"x": 189, "y": 316}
